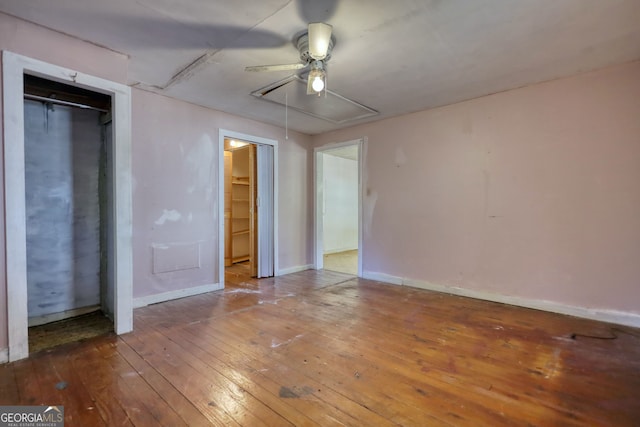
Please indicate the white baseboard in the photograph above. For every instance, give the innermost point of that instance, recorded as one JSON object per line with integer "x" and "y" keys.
{"x": 600, "y": 314}
{"x": 381, "y": 277}
{"x": 4, "y": 355}
{"x": 171, "y": 295}
{"x": 54, "y": 317}
{"x": 295, "y": 269}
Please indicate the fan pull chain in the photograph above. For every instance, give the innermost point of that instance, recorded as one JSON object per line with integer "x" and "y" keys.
{"x": 286, "y": 115}
{"x": 326, "y": 84}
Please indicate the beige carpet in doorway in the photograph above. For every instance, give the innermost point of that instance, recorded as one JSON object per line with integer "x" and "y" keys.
{"x": 343, "y": 262}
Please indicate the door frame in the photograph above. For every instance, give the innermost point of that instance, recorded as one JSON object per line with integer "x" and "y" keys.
{"x": 14, "y": 68}
{"x": 318, "y": 191}
{"x": 225, "y": 133}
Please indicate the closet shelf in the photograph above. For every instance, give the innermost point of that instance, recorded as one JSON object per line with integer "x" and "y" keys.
{"x": 240, "y": 233}
{"x": 240, "y": 180}
{"x": 240, "y": 258}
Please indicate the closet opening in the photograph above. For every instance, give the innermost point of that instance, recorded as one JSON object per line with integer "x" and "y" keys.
{"x": 240, "y": 210}
{"x": 69, "y": 194}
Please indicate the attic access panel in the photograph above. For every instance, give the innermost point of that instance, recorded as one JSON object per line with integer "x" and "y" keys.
{"x": 292, "y": 91}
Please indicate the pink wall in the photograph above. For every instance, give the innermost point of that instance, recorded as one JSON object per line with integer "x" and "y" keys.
{"x": 531, "y": 193}
{"x": 38, "y": 42}
{"x": 175, "y": 158}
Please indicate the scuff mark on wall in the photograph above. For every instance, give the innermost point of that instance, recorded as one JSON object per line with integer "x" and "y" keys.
{"x": 485, "y": 193}
{"x": 199, "y": 162}
{"x": 368, "y": 207}
{"x": 467, "y": 123}
{"x": 170, "y": 257}
{"x": 172, "y": 215}
{"x": 401, "y": 158}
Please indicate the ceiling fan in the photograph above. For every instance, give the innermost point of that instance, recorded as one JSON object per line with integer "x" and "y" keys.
{"x": 315, "y": 46}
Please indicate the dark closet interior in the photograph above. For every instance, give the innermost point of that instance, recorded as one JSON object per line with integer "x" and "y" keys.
{"x": 68, "y": 196}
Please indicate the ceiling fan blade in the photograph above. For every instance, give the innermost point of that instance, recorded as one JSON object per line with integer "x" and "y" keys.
{"x": 319, "y": 39}
{"x": 316, "y": 10}
{"x": 281, "y": 67}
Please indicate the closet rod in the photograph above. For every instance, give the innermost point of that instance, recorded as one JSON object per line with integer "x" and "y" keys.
{"x": 61, "y": 102}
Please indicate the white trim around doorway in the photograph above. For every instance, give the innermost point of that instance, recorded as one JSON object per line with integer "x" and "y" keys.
{"x": 318, "y": 191}
{"x": 14, "y": 68}
{"x": 222, "y": 134}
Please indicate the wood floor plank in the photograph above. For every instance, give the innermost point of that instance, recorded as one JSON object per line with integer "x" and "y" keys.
{"x": 214, "y": 404}
{"x": 263, "y": 357}
{"x": 139, "y": 400}
{"x": 61, "y": 384}
{"x": 166, "y": 391}
{"x": 356, "y": 378}
{"x": 9, "y": 394}
{"x": 28, "y": 387}
{"x": 323, "y": 405}
{"x": 97, "y": 382}
{"x": 232, "y": 397}
{"x": 303, "y": 409}
{"x": 448, "y": 363}
{"x": 240, "y": 375}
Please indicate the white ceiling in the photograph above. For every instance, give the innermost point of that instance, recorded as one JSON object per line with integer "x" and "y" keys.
{"x": 395, "y": 56}
{"x": 350, "y": 152}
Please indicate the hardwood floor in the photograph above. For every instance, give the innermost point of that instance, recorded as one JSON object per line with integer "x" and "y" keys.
{"x": 324, "y": 348}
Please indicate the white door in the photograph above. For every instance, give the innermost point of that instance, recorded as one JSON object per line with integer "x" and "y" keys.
{"x": 265, "y": 211}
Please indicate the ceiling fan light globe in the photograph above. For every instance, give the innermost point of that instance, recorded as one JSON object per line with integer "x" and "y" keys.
{"x": 317, "y": 84}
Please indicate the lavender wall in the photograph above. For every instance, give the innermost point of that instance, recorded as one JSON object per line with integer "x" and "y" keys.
{"x": 530, "y": 193}
{"x": 175, "y": 158}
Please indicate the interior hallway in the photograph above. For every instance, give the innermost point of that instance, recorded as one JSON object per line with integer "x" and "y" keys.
{"x": 325, "y": 348}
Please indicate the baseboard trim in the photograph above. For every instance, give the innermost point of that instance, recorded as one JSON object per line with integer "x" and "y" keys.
{"x": 171, "y": 295}
{"x": 54, "y": 317}
{"x": 4, "y": 355}
{"x": 381, "y": 277}
{"x": 295, "y": 269}
{"x": 602, "y": 315}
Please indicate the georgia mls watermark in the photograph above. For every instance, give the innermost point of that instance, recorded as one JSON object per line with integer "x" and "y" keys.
{"x": 31, "y": 416}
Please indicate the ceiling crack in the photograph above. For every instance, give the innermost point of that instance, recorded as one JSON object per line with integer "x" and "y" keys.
{"x": 191, "y": 68}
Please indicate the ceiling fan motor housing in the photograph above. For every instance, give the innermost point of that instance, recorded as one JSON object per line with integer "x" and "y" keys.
{"x": 302, "y": 44}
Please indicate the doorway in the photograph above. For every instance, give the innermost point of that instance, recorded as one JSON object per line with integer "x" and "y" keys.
{"x": 15, "y": 67}
{"x": 248, "y": 205}
{"x": 338, "y": 207}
